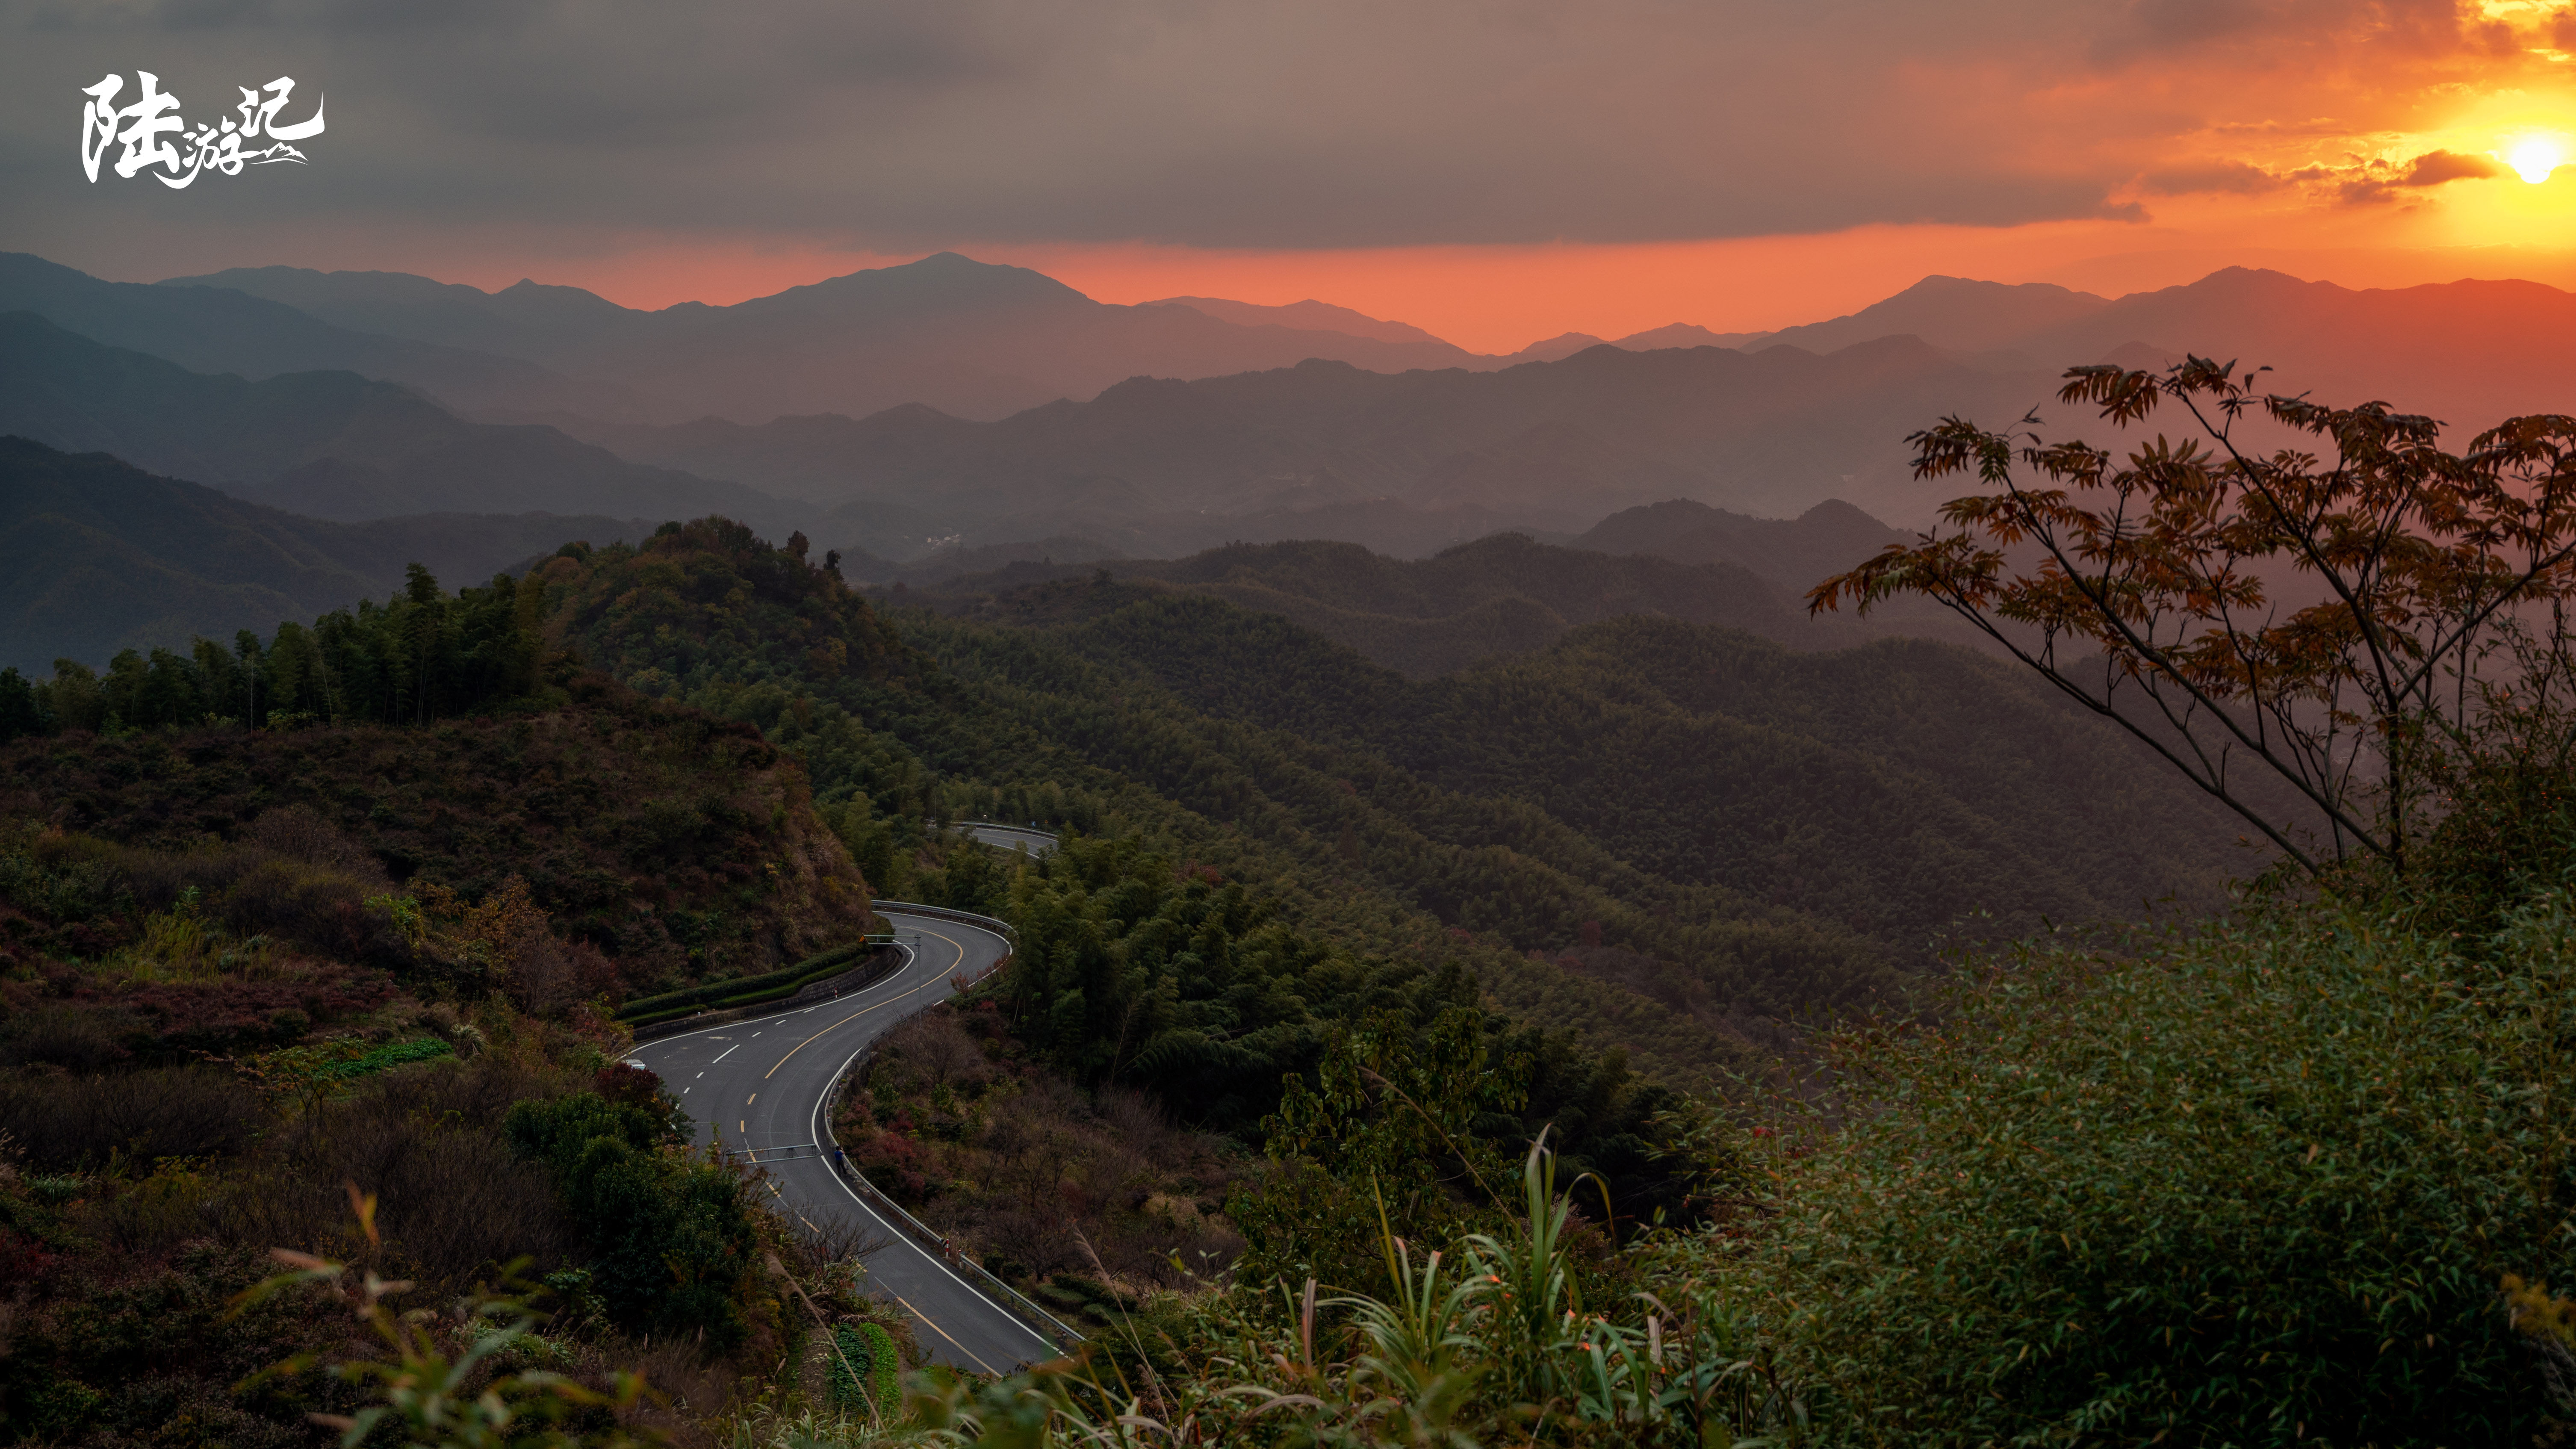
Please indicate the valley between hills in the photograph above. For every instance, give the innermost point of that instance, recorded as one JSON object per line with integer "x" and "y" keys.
{"x": 433, "y": 722}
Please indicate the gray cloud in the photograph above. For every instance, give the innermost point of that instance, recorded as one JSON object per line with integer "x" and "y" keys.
{"x": 903, "y": 126}
{"x": 2435, "y": 167}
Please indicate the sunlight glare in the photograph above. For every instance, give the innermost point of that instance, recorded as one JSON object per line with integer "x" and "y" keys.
{"x": 2534, "y": 157}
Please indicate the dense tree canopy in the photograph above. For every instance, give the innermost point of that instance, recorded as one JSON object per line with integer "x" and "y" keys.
{"x": 420, "y": 655}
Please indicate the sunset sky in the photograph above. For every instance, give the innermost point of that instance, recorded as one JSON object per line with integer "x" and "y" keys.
{"x": 1496, "y": 172}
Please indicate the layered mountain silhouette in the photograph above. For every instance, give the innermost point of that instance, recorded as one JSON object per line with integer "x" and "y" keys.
{"x": 1154, "y": 463}
{"x": 1313, "y": 316}
{"x": 2470, "y": 352}
{"x": 329, "y": 445}
{"x": 971, "y": 339}
{"x": 1952, "y": 312}
{"x": 980, "y": 341}
{"x": 1794, "y": 553}
{"x": 214, "y": 329}
{"x": 104, "y": 556}
{"x": 1018, "y": 410}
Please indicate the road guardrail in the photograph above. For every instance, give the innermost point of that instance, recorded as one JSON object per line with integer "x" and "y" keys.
{"x": 997, "y": 926}
{"x": 1008, "y": 1298}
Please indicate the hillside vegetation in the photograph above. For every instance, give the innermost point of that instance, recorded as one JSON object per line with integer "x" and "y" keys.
{"x": 1684, "y": 794}
{"x": 1504, "y": 594}
{"x": 1325, "y": 949}
{"x": 423, "y": 736}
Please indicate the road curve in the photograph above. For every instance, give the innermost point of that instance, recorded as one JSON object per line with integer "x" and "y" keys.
{"x": 1007, "y": 837}
{"x": 759, "y": 1086}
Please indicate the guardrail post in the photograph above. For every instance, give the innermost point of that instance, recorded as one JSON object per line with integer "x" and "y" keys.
{"x": 1005, "y": 1296}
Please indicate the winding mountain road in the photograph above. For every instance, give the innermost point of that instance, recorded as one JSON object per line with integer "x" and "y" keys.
{"x": 758, "y": 1089}
{"x": 1006, "y": 837}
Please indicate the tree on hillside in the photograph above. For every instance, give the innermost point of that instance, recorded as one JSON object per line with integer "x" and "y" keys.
{"x": 2368, "y": 622}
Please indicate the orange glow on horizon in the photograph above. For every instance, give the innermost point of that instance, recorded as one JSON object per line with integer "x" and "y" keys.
{"x": 1500, "y": 299}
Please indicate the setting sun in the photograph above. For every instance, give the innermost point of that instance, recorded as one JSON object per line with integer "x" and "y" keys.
{"x": 2534, "y": 157}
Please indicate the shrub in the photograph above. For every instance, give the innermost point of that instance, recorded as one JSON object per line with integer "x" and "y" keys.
{"x": 2253, "y": 1188}
{"x": 746, "y": 990}
{"x": 84, "y": 1122}
{"x": 670, "y": 1238}
{"x": 456, "y": 1201}
{"x": 865, "y": 1373}
{"x": 383, "y": 1058}
{"x": 83, "y": 1039}
{"x": 158, "y": 1356}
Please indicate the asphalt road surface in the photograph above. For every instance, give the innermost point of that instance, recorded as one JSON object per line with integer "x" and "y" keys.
{"x": 758, "y": 1087}
{"x": 1004, "y": 837}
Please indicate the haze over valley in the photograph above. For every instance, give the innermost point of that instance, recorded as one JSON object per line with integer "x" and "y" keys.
{"x": 946, "y": 417}
{"x": 827, "y": 724}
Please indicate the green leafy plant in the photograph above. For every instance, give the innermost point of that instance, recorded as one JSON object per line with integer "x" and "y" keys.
{"x": 444, "y": 1394}
{"x": 865, "y": 1372}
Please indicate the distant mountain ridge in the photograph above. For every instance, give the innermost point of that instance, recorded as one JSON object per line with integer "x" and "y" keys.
{"x": 103, "y": 556}
{"x": 1196, "y": 429}
{"x": 1951, "y": 312}
{"x": 1309, "y": 315}
{"x": 1550, "y": 446}
{"x": 968, "y": 338}
{"x": 330, "y": 445}
{"x": 209, "y": 329}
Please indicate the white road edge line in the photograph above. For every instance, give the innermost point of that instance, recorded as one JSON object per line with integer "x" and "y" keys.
{"x": 662, "y": 1041}
{"x": 891, "y": 1231}
{"x": 898, "y": 1234}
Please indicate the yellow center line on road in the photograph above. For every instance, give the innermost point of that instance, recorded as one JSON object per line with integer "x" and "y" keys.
{"x": 864, "y": 1010}
{"x": 782, "y": 1201}
{"x": 943, "y": 1333}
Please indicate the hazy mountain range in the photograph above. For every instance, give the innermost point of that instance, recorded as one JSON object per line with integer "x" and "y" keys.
{"x": 963, "y": 416}
{"x": 330, "y": 445}
{"x": 970, "y": 339}
{"x": 103, "y": 556}
{"x": 2469, "y": 352}
{"x": 1554, "y": 445}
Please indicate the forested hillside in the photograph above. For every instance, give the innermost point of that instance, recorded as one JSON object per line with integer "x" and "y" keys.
{"x": 1707, "y": 758}
{"x": 1685, "y": 794}
{"x": 1663, "y": 792}
{"x": 1505, "y": 593}
{"x": 1324, "y": 949}
{"x": 671, "y": 845}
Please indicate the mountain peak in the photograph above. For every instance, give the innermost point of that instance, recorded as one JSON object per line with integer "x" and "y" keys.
{"x": 1555, "y": 349}
{"x": 938, "y": 281}
{"x": 1309, "y": 315}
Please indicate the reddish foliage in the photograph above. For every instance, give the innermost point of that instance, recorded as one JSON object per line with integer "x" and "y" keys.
{"x": 22, "y": 1260}
{"x": 629, "y": 1085}
{"x": 218, "y": 1015}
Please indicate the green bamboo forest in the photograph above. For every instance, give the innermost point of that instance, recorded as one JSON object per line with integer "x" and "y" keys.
{"x": 1655, "y": 1035}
